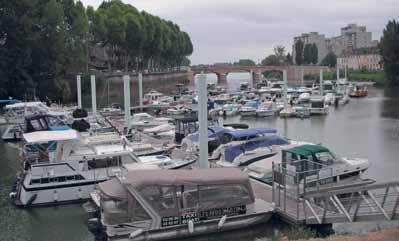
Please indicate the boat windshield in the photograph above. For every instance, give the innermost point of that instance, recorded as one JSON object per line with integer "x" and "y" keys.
{"x": 328, "y": 158}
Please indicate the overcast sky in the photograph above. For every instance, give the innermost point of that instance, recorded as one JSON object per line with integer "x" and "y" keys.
{"x": 227, "y": 30}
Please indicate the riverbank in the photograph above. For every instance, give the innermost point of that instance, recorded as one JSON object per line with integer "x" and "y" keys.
{"x": 384, "y": 235}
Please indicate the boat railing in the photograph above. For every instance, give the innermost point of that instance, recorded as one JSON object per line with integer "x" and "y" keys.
{"x": 322, "y": 199}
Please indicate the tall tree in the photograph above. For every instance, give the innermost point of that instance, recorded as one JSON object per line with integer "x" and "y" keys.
{"x": 307, "y": 54}
{"x": 279, "y": 52}
{"x": 315, "y": 54}
{"x": 389, "y": 50}
{"x": 288, "y": 59}
{"x": 330, "y": 60}
{"x": 271, "y": 60}
{"x": 299, "y": 52}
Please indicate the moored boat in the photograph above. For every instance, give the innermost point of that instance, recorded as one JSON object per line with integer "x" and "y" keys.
{"x": 176, "y": 204}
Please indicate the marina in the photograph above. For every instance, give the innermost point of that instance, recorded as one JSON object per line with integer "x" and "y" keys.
{"x": 377, "y": 195}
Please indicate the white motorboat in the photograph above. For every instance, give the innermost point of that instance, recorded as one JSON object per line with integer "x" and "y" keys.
{"x": 329, "y": 98}
{"x": 318, "y": 106}
{"x": 145, "y": 120}
{"x": 303, "y": 98}
{"x": 69, "y": 172}
{"x": 177, "y": 110}
{"x": 249, "y": 109}
{"x": 230, "y": 109}
{"x": 266, "y": 109}
{"x": 312, "y": 163}
{"x": 253, "y": 150}
{"x": 176, "y": 204}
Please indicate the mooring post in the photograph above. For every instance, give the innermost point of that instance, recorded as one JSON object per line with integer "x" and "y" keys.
{"x": 93, "y": 94}
{"x": 203, "y": 121}
{"x": 321, "y": 82}
{"x": 126, "y": 94}
{"x": 140, "y": 89}
{"x": 79, "y": 90}
{"x": 285, "y": 88}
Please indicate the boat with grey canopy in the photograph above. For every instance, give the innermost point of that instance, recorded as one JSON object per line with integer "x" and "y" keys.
{"x": 171, "y": 204}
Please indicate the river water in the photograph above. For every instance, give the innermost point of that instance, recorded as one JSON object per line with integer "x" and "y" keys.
{"x": 367, "y": 127}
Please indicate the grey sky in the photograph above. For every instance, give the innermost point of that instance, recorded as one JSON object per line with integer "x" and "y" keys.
{"x": 226, "y": 30}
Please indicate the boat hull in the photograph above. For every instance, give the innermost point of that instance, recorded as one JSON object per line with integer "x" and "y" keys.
{"x": 203, "y": 228}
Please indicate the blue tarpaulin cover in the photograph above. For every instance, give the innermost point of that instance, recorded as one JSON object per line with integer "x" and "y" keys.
{"x": 264, "y": 141}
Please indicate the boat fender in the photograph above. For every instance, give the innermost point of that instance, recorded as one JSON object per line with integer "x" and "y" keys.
{"x": 13, "y": 195}
{"x": 55, "y": 196}
{"x": 31, "y": 199}
{"x": 136, "y": 233}
{"x": 222, "y": 221}
{"x": 190, "y": 225}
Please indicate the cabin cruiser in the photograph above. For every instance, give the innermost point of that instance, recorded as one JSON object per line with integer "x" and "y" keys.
{"x": 156, "y": 98}
{"x": 247, "y": 152}
{"x": 328, "y": 86}
{"x": 63, "y": 166}
{"x": 69, "y": 172}
{"x": 38, "y": 122}
{"x": 313, "y": 163}
{"x": 318, "y": 106}
{"x": 164, "y": 132}
{"x": 329, "y": 98}
{"x": 145, "y": 120}
{"x": 249, "y": 109}
{"x": 230, "y": 109}
{"x": 178, "y": 110}
{"x": 303, "y": 98}
{"x": 301, "y": 111}
{"x": 219, "y": 137}
{"x": 287, "y": 112}
{"x": 266, "y": 109}
{"x": 175, "y": 204}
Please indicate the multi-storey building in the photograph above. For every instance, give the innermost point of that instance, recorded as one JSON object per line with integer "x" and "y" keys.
{"x": 364, "y": 58}
{"x": 352, "y": 37}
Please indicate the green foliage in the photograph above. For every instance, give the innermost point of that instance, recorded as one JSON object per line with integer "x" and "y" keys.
{"x": 310, "y": 54}
{"x": 278, "y": 58}
{"x": 299, "y": 52}
{"x": 389, "y": 50}
{"x": 289, "y": 59}
{"x": 245, "y": 62}
{"x": 45, "y": 42}
{"x": 271, "y": 60}
{"x": 330, "y": 60}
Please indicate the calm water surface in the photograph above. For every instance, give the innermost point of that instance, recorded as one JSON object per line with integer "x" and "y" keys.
{"x": 367, "y": 127}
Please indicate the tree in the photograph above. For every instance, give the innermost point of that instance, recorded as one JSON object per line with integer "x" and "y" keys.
{"x": 299, "y": 52}
{"x": 315, "y": 54}
{"x": 245, "y": 62}
{"x": 389, "y": 50}
{"x": 279, "y": 52}
{"x": 307, "y": 54}
{"x": 288, "y": 59}
{"x": 271, "y": 60}
{"x": 330, "y": 60}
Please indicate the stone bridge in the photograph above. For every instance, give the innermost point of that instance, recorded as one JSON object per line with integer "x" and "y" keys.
{"x": 294, "y": 73}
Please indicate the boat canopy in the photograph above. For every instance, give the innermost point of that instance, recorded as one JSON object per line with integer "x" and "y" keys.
{"x": 264, "y": 141}
{"x": 113, "y": 189}
{"x": 9, "y": 101}
{"x": 251, "y": 132}
{"x": 252, "y": 103}
{"x": 307, "y": 150}
{"x": 46, "y": 136}
{"x": 213, "y": 176}
{"x": 213, "y": 131}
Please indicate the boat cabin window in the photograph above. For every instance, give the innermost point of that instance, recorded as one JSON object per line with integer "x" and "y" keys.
{"x": 115, "y": 211}
{"x": 326, "y": 158}
{"x": 318, "y": 104}
{"x": 104, "y": 162}
{"x": 161, "y": 198}
{"x": 222, "y": 196}
{"x": 46, "y": 180}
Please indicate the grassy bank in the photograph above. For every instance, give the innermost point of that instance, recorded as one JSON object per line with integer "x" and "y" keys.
{"x": 376, "y": 76}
